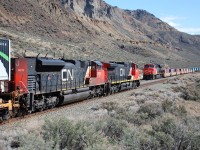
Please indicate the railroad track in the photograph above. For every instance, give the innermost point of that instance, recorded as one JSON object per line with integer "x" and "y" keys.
{"x": 37, "y": 114}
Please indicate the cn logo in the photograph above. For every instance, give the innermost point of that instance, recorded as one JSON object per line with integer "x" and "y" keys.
{"x": 122, "y": 72}
{"x": 67, "y": 74}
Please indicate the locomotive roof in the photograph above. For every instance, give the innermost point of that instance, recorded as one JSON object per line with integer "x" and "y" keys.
{"x": 98, "y": 63}
{"x": 50, "y": 62}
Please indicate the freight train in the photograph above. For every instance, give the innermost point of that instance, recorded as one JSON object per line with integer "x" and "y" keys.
{"x": 39, "y": 83}
{"x": 155, "y": 71}
{"x": 32, "y": 84}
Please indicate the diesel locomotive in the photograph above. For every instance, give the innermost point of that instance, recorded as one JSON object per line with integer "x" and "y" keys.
{"x": 39, "y": 83}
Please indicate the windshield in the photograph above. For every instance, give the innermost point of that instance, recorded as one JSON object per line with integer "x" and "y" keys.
{"x": 149, "y": 66}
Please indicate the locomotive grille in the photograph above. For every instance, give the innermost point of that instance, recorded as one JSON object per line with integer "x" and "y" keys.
{"x": 31, "y": 83}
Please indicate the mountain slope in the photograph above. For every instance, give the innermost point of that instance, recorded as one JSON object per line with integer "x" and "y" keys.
{"x": 93, "y": 29}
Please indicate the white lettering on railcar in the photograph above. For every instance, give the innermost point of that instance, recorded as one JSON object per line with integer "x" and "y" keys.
{"x": 67, "y": 74}
{"x": 20, "y": 70}
{"x": 70, "y": 74}
{"x": 122, "y": 72}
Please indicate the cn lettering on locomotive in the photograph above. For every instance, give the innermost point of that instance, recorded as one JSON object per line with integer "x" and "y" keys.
{"x": 122, "y": 72}
{"x": 67, "y": 74}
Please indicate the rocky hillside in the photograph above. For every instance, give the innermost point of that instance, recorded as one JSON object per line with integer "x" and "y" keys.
{"x": 93, "y": 29}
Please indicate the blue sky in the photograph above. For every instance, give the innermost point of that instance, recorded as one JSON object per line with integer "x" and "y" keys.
{"x": 184, "y": 15}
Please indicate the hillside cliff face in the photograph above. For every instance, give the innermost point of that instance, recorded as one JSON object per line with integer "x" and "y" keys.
{"x": 93, "y": 29}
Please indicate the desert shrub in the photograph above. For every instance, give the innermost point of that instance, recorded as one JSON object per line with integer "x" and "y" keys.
{"x": 139, "y": 140}
{"x": 131, "y": 140}
{"x": 167, "y": 125}
{"x": 139, "y": 119}
{"x": 63, "y": 134}
{"x": 189, "y": 92}
{"x": 33, "y": 141}
{"x": 60, "y": 132}
{"x": 180, "y": 111}
{"x": 166, "y": 141}
{"x": 168, "y": 106}
{"x": 148, "y": 142}
{"x": 151, "y": 109}
{"x": 177, "y": 88}
{"x": 133, "y": 118}
{"x": 176, "y": 135}
{"x": 109, "y": 106}
{"x": 165, "y": 132}
{"x": 120, "y": 113}
{"x": 100, "y": 146}
{"x": 112, "y": 128}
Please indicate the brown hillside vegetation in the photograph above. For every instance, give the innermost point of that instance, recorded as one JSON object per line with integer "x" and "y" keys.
{"x": 85, "y": 29}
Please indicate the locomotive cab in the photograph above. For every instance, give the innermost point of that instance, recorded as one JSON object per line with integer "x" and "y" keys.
{"x": 135, "y": 72}
{"x": 97, "y": 73}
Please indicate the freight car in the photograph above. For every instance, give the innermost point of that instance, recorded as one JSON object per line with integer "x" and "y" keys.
{"x": 42, "y": 83}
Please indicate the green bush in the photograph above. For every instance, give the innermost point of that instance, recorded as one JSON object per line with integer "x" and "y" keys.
{"x": 148, "y": 142}
{"x": 151, "y": 109}
{"x": 167, "y": 126}
{"x": 168, "y": 106}
{"x": 139, "y": 119}
{"x": 166, "y": 133}
{"x": 176, "y": 135}
{"x": 131, "y": 140}
{"x": 32, "y": 141}
{"x": 189, "y": 92}
{"x": 109, "y": 106}
{"x": 181, "y": 111}
{"x": 133, "y": 118}
{"x": 112, "y": 128}
{"x": 60, "y": 132}
{"x": 63, "y": 134}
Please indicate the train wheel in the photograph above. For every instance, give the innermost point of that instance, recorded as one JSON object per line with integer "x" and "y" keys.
{"x": 41, "y": 109}
{"x": 53, "y": 105}
{"x": 21, "y": 112}
{"x": 138, "y": 83}
{"x": 111, "y": 91}
{"x": 7, "y": 115}
{"x": 134, "y": 85}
